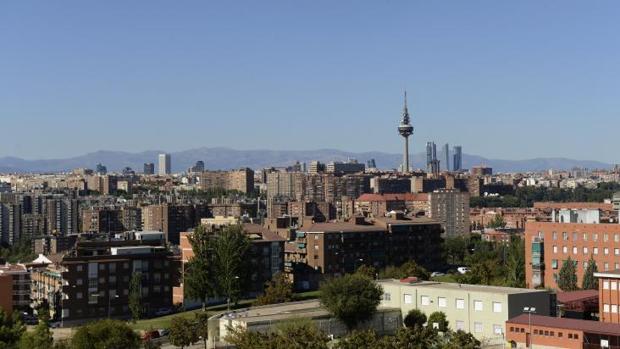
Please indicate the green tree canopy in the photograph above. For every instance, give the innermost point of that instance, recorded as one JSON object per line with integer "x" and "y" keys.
{"x": 135, "y": 296}
{"x": 352, "y": 298}
{"x": 567, "y": 279}
{"x": 589, "y": 281}
{"x": 199, "y": 276}
{"x": 11, "y": 329}
{"x": 278, "y": 290}
{"x": 182, "y": 332}
{"x": 105, "y": 334}
{"x": 39, "y": 338}
{"x": 407, "y": 269}
{"x": 232, "y": 270}
{"x": 438, "y": 319}
{"x": 415, "y": 318}
{"x": 296, "y": 334}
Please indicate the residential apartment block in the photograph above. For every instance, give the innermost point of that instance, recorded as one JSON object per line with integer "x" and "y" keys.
{"x": 549, "y": 244}
{"x": 14, "y": 287}
{"x": 241, "y": 180}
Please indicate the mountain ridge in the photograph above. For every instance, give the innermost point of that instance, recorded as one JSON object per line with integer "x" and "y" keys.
{"x": 222, "y": 158}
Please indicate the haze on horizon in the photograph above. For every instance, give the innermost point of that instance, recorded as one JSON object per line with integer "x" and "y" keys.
{"x": 506, "y": 80}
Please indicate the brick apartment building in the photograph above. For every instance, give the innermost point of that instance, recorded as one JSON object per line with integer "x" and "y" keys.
{"x": 96, "y": 276}
{"x": 241, "y": 180}
{"x": 549, "y": 244}
{"x": 609, "y": 296}
{"x": 336, "y": 248}
{"x": 14, "y": 287}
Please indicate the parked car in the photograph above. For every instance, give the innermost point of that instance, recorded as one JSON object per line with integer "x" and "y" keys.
{"x": 437, "y": 273}
{"x": 163, "y": 311}
{"x": 462, "y": 270}
{"x": 163, "y": 332}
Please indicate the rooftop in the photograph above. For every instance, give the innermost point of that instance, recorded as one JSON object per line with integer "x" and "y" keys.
{"x": 588, "y": 326}
{"x": 609, "y": 274}
{"x": 576, "y": 296}
{"x": 463, "y": 287}
{"x": 394, "y": 197}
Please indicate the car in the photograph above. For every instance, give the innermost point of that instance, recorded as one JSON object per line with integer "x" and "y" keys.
{"x": 163, "y": 311}
{"x": 462, "y": 270}
{"x": 163, "y": 332}
{"x": 437, "y": 273}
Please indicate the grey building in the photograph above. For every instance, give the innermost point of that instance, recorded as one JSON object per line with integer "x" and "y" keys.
{"x": 164, "y": 164}
{"x": 451, "y": 208}
{"x": 457, "y": 163}
{"x": 149, "y": 168}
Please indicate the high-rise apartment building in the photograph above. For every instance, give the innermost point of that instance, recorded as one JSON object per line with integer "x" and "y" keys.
{"x": 285, "y": 185}
{"x": 451, "y": 208}
{"x": 10, "y": 223}
{"x": 164, "y": 164}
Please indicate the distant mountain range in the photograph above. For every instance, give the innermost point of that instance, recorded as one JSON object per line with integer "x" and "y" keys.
{"x": 226, "y": 158}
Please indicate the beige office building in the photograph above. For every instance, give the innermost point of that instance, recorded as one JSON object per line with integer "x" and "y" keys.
{"x": 478, "y": 309}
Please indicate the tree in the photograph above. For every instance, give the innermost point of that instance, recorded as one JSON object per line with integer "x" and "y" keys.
{"x": 497, "y": 222}
{"x": 352, "y": 298}
{"x": 415, "y": 319}
{"x": 40, "y": 338}
{"x": 135, "y": 296}
{"x": 455, "y": 249}
{"x": 198, "y": 278}
{"x": 589, "y": 281}
{"x": 11, "y": 329}
{"x": 407, "y": 269}
{"x": 278, "y": 290}
{"x": 367, "y": 270}
{"x": 182, "y": 332}
{"x": 231, "y": 266}
{"x": 515, "y": 265}
{"x": 297, "y": 334}
{"x": 461, "y": 340}
{"x": 202, "y": 327}
{"x": 567, "y": 280}
{"x": 437, "y": 320}
{"x": 361, "y": 339}
{"x": 108, "y": 334}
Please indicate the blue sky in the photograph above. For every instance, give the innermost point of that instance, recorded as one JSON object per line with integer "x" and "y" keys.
{"x": 505, "y": 79}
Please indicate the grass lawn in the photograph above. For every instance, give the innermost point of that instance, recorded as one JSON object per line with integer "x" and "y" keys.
{"x": 164, "y": 321}
{"x": 445, "y": 278}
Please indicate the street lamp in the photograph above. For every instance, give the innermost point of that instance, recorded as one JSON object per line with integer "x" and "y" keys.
{"x": 529, "y": 311}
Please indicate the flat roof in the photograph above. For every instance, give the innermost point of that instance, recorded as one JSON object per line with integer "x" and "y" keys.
{"x": 609, "y": 274}
{"x": 588, "y": 326}
{"x": 278, "y": 312}
{"x": 462, "y": 287}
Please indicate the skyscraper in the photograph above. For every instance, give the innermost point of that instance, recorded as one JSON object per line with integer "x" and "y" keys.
{"x": 457, "y": 164}
{"x": 149, "y": 168}
{"x": 405, "y": 130}
{"x": 432, "y": 164}
{"x": 164, "y": 164}
{"x": 446, "y": 153}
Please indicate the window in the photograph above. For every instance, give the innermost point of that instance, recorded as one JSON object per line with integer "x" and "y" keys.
{"x": 79, "y": 295}
{"x": 554, "y": 263}
{"x": 387, "y": 296}
{"x": 595, "y": 250}
{"x": 574, "y": 236}
{"x": 79, "y": 282}
{"x": 442, "y": 302}
{"x": 606, "y": 251}
{"x": 555, "y": 235}
{"x": 575, "y": 336}
{"x": 614, "y": 285}
{"x": 555, "y": 249}
{"x": 478, "y": 328}
{"x": 606, "y": 266}
{"x": 478, "y": 305}
{"x": 585, "y": 236}
{"x": 460, "y": 325}
{"x": 560, "y": 334}
{"x": 617, "y": 251}
{"x": 585, "y": 250}
{"x": 497, "y": 329}
{"x": 564, "y": 249}
{"x": 605, "y": 285}
{"x": 408, "y": 299}
{"x": 535, "y": 331}
{"x": 497, "y": 307}
{"x": 605, "y": 237}
{"x": 617, "y": 237}
{"x": 460, "y": 303}
{"x": 605, "y": 308}
{"x": 575, "y": 250}
{"x": 101, "y": 266}
{"x": 424, "y": 300}
{"x": 79, "y": 267}
{"x": 570, "y": 336}
{"x": 564, "y": 236}
{"x": 614, "y": 308}
{"x": 595, "y": 237}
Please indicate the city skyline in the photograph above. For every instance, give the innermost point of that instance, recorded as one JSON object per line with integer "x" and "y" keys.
{"x": 500, "y": 72}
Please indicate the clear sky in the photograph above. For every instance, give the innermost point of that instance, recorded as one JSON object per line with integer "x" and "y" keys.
{"x": 505, "y": 79}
